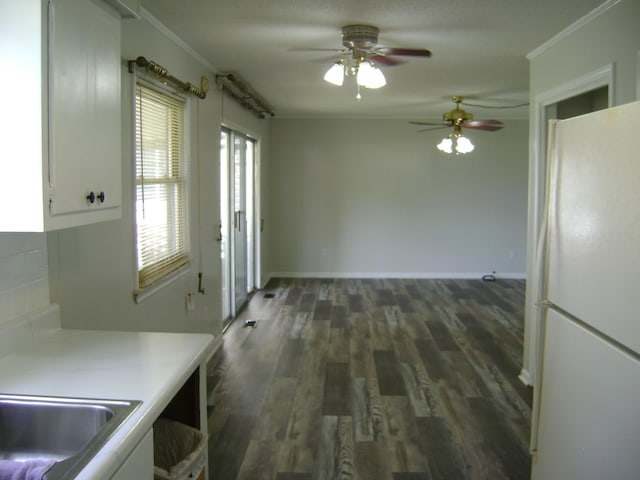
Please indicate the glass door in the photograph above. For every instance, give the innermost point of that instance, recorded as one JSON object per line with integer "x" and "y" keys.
{"x": 237, "y": 220}
{"x": 239, "y": 203}
{"x": 223, "y": 233}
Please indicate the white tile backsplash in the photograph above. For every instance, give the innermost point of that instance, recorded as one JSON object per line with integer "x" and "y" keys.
{"x": 24, "y": 274}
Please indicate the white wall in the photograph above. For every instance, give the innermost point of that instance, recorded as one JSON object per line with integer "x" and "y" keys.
{"x": 611, "y": 35}
{"x": 375, "y": 198}
{"x": 92, "y": 268}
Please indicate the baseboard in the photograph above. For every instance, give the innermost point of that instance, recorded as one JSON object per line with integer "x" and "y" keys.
{"x": 417, "y": 275}
{"x": 525, "y": 377}
{"x": 264, "y": 280}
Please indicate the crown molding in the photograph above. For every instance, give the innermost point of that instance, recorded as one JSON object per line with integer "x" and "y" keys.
{"x": 146, "y": 15}
{"x": 578, "y": 24}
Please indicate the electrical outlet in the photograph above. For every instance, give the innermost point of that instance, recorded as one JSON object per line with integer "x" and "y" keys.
{"x": 191, "y": 302}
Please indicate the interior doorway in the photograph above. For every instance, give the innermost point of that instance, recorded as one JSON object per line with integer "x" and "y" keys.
{"x": 237, "y": 220}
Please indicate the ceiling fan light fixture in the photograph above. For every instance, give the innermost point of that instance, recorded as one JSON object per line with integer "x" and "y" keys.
{"x": 446, "y": 145}
{"x": 456, "y": 143}
{"x": 335, "y": 75}
{"x": 369, "y": 76}
{"x": 361, "y": 54}
{"x": 464, "y": 145}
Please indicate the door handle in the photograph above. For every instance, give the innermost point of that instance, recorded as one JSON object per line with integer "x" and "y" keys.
{"x": 539, "y": 293}
{"x": 237, "y": 217}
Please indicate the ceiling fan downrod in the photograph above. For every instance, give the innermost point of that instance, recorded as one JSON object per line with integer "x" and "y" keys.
{"x": 457, "y": 116}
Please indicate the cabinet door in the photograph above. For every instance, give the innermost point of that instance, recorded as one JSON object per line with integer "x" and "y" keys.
{"x": 84, "y": 116}
{"x": 138, "y": 465}
{"x": 21, "y": 191}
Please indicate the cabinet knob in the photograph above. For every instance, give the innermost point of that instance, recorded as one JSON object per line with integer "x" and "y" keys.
{"x": 91, "y": 197}
{"x": 101, "y": 197}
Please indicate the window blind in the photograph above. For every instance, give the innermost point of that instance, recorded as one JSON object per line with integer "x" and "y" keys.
{"x": 161, "y": 197}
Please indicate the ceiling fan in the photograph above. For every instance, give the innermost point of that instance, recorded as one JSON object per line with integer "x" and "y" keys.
{"x": 459, "y": 118}
{"x": 360, "y": 41}
{"x": 361, "y": 57}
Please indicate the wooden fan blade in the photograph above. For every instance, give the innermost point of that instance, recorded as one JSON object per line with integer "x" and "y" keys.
{"x": 384, "y": 60}
{"x": 328, "y": 59}
{"x": 431, "y": 123}
{"x": 405, "y": 52}
{"x": 488, "y": 125}
{"x": 317, "y": 50}
{"x": 433, "y": 128}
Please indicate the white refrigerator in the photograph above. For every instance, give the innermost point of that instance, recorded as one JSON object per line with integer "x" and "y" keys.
{"x": 586, "y": 416}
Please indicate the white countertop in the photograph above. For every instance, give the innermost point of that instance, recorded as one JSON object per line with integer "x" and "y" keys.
{"x": 146, "y": 366}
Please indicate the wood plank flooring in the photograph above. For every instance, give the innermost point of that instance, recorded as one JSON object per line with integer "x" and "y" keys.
{"x": 372, "y": 379}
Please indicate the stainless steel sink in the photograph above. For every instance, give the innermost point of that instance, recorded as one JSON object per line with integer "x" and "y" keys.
{"x": 68, "y": 430}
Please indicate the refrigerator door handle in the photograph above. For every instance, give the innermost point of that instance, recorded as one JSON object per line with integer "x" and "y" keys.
{"x": 539, "y": 275}
{"x": 544, "y": 304}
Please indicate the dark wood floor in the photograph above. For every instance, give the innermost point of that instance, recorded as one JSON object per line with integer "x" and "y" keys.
{"x": 372, "y": 379}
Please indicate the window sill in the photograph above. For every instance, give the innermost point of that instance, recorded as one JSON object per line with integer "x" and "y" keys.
{"x": 140, "y": 296}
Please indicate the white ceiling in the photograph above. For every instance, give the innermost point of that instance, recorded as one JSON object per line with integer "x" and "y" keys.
{"x": 478, "y": 46}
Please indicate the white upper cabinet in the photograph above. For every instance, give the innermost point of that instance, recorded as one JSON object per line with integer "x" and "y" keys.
{"x": 61, "y": 160}
{"x": 84, "y": 111}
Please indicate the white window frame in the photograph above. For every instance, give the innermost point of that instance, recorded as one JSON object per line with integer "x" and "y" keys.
{"x": 164, "y": 274}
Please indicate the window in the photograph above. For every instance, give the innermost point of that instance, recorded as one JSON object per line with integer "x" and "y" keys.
{"x": 161, "y": 186}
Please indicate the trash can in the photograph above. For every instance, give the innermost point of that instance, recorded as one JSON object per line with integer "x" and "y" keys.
{"x": 179, "y": 451}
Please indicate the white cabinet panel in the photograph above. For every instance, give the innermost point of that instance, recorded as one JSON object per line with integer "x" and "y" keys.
{"x": 61, "y": 124}
{"x": 22, "y": 194}
{"x": 138, "y": 465}
{"x": 84, "y": 72}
